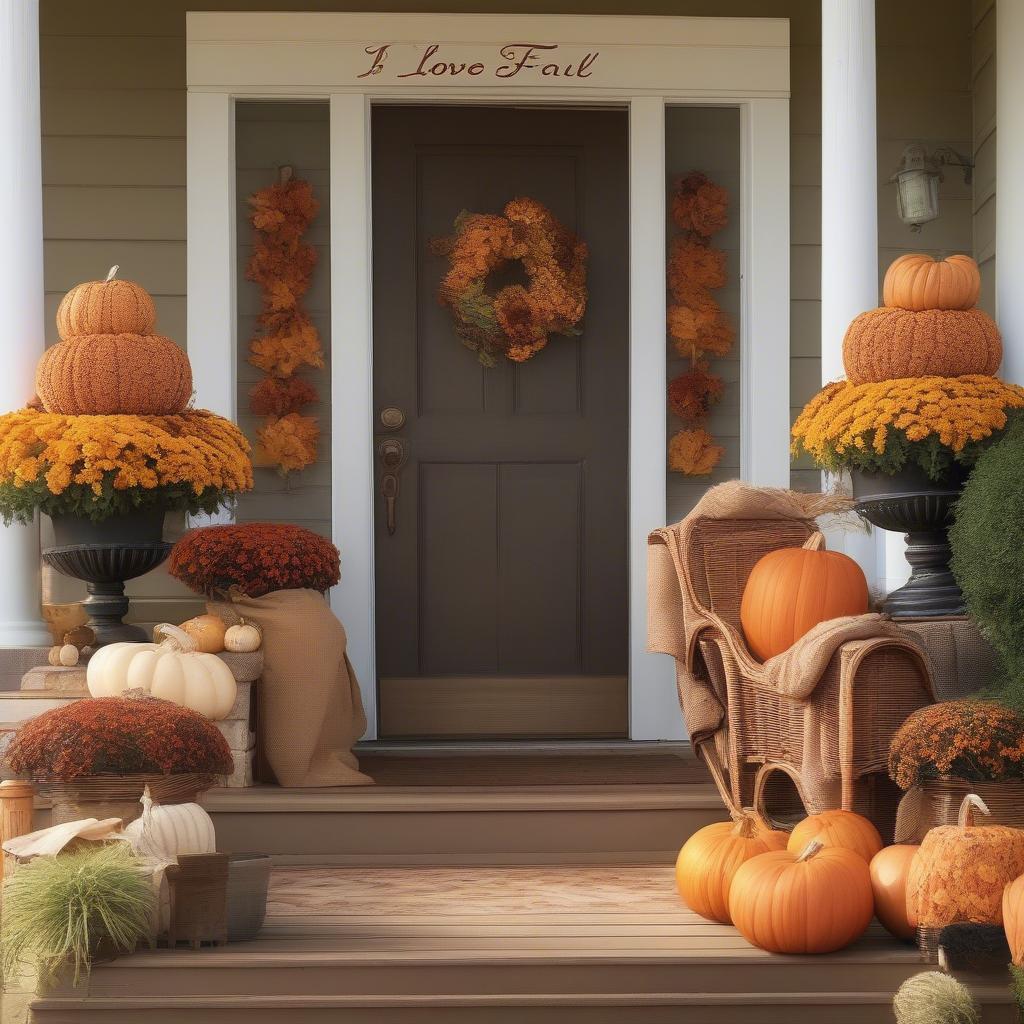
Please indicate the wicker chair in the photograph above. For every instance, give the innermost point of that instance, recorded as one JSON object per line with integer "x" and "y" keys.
{"x": 834, "y": 744}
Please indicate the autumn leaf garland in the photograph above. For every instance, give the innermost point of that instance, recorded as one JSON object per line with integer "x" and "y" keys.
{"x": 286, "y": 339}
{"x": 698, "y": 326}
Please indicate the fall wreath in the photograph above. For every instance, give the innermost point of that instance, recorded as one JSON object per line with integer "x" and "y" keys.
{"x": 699, "y": 328}
{"x": 517, "y": 320}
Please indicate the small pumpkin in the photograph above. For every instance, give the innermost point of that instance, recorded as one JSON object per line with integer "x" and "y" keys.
{"x": 790, "y": 590}
{"x": 243, "y": 638}
{"x": 68, "y": 655}
{"x": 960, "y": 871}
{"x": 710, "y": 858}
{"x": 171, "y": 669}
{"x": 1013, "y": 918}
{"x": 106, "y": 374}
{"x": 917, "y": 281}
{"x": 890, "y": 868}
{"x": 166, "y": 832}
{"x": 815, "y": 901}
{"x": 837, "y": 828}
{"x": 207, "y": 633}
{"x": 886, "y": 344}
{"x": 111, "y": 306}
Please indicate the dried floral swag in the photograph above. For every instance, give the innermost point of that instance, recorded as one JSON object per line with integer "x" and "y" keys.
{"x": 282, "y": 265}
{"x": 697, "y": 325}
{"x": 517, "y": 321}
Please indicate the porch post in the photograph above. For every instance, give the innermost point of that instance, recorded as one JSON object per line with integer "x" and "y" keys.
{"x": 1010, "y": 204}
{"x": 21, "y": 269}
{"x": 849, "y": 198}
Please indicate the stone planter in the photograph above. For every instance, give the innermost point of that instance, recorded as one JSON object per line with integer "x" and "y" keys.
{"x": 908, "y": 502}
{"x": 105, "y": 555}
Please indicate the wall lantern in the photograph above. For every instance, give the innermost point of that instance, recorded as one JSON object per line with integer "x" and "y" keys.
{"x": 917, "y": 182}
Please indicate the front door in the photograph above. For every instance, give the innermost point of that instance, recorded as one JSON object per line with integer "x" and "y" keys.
{"x": 501, "y": 518}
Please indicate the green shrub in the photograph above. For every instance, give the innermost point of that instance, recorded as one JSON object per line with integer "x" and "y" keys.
{"x": 987, "y": 538}
{"x": 58, "y": 909}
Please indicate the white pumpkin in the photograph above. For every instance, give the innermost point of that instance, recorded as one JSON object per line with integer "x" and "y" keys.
{"x": 243, "y": 638}
{"x": 170, "y": 669}
{"x": 166, "y": 832}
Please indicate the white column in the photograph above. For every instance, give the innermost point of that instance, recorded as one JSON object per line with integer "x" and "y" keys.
{"x": 849, "y": 199}
{"x": 1010, "y": 202}
{"x": 21, "y": 270}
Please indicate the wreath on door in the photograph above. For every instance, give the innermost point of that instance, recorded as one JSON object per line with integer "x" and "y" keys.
{"x": 517, "y": 320}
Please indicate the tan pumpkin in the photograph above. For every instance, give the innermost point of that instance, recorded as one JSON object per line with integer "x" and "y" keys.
{"x": 206, "y": 632}
{"x": 711, "y": 857}
{"x": 106, "y": 307}
{"x": 887, "y": 344}
{"x": 102, "y": 374}
{"x": 790, "y": 590}
{"x": 837, "y": 828}
{"x": 890, "y": 869}
{"x": 816, "y": 901}
{"x": 1013, "y": 918}
{"x": 917, "y": 281}
{"x": 959, "y": 872}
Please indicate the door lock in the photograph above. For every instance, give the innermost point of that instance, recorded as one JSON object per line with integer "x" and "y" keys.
{"x": 392, "y": 454}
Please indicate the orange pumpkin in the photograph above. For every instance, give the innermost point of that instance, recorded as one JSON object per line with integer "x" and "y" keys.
{"x": 1013, "y": 918}
{"x": 712, "y": 855}
{"x": 916, "y": 281}
{"x": 886, "y": 344}
{"x": 837, "y": 828}
{"x": 889, "y": 870}
{"x": 791, "y": 590}
{"x": 106, "y": 307}
{"x": 100, "y": 374}
{"x": 816, "y": 901}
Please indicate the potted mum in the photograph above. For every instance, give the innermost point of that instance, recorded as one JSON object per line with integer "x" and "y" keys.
{"x": 916, "y": 412}
{"x": 110, "y": 446}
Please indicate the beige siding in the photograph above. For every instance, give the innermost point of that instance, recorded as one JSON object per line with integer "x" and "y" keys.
{"x": 983, "y": 77}
{"x": 114, "y": 141}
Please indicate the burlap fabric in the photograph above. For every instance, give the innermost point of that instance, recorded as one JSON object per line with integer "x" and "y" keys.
{"x": 962, "y": 659}
{"x": 310, "y": 709}
{"x": 825, "y": 712}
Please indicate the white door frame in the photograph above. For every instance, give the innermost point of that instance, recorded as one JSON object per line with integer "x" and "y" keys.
{"x": 643, "y": 64}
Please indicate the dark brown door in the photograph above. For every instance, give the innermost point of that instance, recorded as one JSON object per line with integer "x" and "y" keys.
{"x": 501, "y": 594}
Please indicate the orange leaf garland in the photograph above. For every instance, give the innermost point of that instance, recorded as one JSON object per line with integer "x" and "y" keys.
{"x": 694, "y": 453}
{"x": 282, "y": 265}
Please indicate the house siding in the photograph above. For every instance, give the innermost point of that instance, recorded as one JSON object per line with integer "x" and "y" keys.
{"x": 113, "y": 78}
{"x": 983, "y": 83}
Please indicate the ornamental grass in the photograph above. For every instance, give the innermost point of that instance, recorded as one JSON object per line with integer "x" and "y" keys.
{"x": 57, "y": 910}
{"x": 973, "y": 740}
{"x": 95, "y": 467}
{"x": 929, "y": 422}
{"x": 257, "y": 558}
{"x": 115, "y": 736}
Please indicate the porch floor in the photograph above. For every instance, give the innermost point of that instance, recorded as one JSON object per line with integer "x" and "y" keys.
{"x": 488, "y": 944}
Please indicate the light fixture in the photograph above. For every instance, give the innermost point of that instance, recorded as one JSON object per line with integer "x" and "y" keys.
{"x": 917, "y": 182}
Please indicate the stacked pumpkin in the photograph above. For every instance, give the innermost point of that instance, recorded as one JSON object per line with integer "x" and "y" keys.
{"x": 928, "y": 325}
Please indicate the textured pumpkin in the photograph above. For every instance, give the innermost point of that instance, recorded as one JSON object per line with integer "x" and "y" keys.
{"x": 916, "y": 281}
{"x": 1013, "y": 918}
{"x": 206, "y": 632}
{"x": 712, "y": 855}
{"x": 171, "y": 670}
{"x": 959, "y": 872}
{"x": 888, "y": 344}
{"x": 816, "y": 901}
{"x": 889, "y": 871}
{"x": 106, "y": 307}
{"x": 100, "y": 374}
{"x": 837, "y": 828}
{"x": 791, "y": 590}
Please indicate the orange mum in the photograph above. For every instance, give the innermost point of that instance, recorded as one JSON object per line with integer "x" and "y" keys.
{"x": 694, "y": 453}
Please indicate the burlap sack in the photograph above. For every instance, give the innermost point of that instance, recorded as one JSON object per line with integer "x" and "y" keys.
{"x": 310, "y": 709}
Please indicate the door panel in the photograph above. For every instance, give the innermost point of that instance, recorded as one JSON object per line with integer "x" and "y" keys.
{"x": 507, "y": 564}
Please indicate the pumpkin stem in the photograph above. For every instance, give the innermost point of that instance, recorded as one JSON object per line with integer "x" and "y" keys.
{"x": 174, "y": 638}
{"x": 970, "y": 803}
{"x": 112, "y": 272}
{"x": 816, "y": 542}
{"x": 744, "y": 826}
{"x": 812, "y": 849}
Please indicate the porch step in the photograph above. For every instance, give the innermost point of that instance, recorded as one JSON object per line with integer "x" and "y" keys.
{"x": 487, "y": 824}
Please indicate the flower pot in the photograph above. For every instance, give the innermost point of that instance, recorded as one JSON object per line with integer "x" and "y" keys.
{"x": 909, "y": 502}
{"x": 118, "y": 796}
{"x": 104, "y": 554}
{"x": 248, "y": 882}
{"x": 938, "y": 803}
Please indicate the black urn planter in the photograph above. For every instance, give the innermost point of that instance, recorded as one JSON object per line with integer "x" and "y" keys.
{"x": 909, "y": 502}
{"x": 105, "y": 555}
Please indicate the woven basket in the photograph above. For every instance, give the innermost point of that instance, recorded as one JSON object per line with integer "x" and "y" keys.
{"x": 118, "y": 796}
{"x": 248, "y": 883}
{"x": 940, "y": 799}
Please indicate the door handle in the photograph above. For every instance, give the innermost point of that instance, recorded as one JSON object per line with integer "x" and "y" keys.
{"x": 393, "y": 455}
